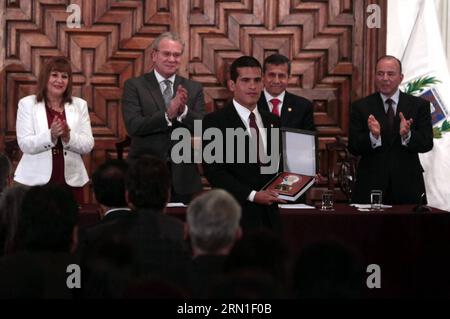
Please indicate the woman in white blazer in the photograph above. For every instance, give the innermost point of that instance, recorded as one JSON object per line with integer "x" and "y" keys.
{"x": 53, "y": 130}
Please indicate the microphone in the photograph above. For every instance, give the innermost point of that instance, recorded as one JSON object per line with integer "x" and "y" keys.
{"x": 421, "y": 207}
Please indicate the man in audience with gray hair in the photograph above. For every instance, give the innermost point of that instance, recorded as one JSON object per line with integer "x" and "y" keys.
{"x": 213, "y": 226}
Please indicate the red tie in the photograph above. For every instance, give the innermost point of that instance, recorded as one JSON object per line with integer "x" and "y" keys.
{"x": 254, "y": 126}
{"x": 275, "y": 110}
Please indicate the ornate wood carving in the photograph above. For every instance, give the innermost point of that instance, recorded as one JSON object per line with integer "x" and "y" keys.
{"x": 332, "y": 51}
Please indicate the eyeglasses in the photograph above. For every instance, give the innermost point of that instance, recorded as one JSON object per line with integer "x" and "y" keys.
{"x": 167, "y": 54}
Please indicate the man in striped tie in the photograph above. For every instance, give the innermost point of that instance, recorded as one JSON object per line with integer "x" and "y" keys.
{"x": 156, "y": 103}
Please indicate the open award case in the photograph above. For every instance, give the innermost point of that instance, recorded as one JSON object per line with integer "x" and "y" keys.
{"x": 299, "y": 164}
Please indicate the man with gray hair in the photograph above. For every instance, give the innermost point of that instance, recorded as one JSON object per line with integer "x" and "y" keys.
{"x": 213, "y": 225}
{"x": 156, "y": 103}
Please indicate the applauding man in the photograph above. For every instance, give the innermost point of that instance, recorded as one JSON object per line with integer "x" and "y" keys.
{"x": 388, "y": 129}
{"x": 156, "y": 103}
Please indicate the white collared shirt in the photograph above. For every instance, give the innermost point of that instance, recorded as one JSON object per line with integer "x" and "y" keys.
{"x": 394, "y": 98}
{"x": 116, "y": 209}
{"x": 270, "y": 97}
{"x": 244, "y": 114}
{"x": 376, "y": 142}
{"x": 161, "y": 79}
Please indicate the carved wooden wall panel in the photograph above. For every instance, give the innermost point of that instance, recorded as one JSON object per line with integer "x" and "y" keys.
{"x": 332, "y": 52}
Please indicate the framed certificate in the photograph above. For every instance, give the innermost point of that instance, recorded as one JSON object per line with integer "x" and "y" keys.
{"x": 299, "y": 164}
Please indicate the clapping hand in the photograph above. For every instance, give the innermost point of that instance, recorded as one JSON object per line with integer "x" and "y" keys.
{"x": 405, "y": 125}
{"x": 374, "y": 126}
{"x": 182, "y": 93}
{"x": 177, "y": 105}
{"x": 56, "y": 129}
{"x": 59, "y": 128}
{"x": 66, "y": 132}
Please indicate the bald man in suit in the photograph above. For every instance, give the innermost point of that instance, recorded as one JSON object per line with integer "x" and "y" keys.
{"x": 389, "y": 129}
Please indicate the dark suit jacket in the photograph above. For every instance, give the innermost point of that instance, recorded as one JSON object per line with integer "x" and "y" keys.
{"x": 241, "y": 178}
{"x": 155, "y": 240}
{"x": 204, "y": 270}
{"x": 296, "y": 112}
{"x": 158, "y": 242}
{"x": 144, "y": 116}
{"x": 392, "y": 165}
{"x": 35, "y": 275}
{"x": 90, "y": 234}
{"x": 117, "y": 214}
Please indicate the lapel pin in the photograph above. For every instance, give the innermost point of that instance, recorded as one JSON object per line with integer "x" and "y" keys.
{"x": 271, "y": 125}
{"x": 289, "y": 109}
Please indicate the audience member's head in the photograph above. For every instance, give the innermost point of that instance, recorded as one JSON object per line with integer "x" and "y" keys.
{"x": 260, "y": 250}
{"x": 148, "y": 183}
{"x": 10, "y": 206}
{"x": 5, "y": 172}
{"x": 108, "y": 183}
{"x": 213, "y": 222}
{"x": 327, "y": 270}
{"x": 48, "y": 220}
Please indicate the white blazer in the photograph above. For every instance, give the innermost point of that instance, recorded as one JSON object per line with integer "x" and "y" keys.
{"x": 34, "y": 139}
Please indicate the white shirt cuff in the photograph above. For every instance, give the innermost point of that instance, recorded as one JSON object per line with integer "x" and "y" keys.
{"x": 405, "y": 140}
{"x": 251, "y": 197}
{"x": 169, "y": 122}
{"x": 183, "y": 115}
{"x": 375, "y": 142}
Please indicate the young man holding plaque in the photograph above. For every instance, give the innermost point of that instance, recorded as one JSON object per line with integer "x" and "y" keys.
{"x": 244, "y": 180}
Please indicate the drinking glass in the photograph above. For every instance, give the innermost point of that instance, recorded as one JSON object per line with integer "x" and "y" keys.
{"x": 376, "y": 199}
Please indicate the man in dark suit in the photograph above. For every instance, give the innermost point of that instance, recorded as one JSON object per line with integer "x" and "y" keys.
{"x": 388, "y": 129}
{"x": 294, "y": 111}
{"x": 158, "y": 102}
{"x": 108, "y": 183}
{"x": 238, "y": 173}
{"x": 148, "y": 242}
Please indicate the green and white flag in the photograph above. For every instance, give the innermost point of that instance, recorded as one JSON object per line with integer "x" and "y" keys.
{"x": 413, "y": 35}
